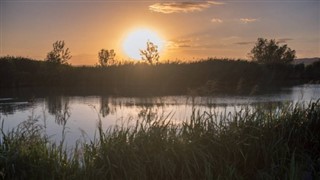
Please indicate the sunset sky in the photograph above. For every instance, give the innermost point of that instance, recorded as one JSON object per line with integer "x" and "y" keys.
{"x": 189, "y": 29}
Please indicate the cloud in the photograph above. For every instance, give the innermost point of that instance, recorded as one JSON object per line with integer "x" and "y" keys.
{"x": 284, "y": 40}
{"x": 231, "y": 38}
{"x": 216, "y": 20}
{"x": 194, "y": 44}
{"x": 182, "y": 43}
{"x": 244, "y": 43}
{"x": 248, "y": 20}
{"x": 179, "y": 7}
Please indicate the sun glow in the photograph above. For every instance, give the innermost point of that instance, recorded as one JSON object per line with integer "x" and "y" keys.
{"x": 138, "y": 39}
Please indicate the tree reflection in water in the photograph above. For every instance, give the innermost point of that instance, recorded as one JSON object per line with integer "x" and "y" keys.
{"x": 10, "y": 105}
{"x": 59, "y": 107}
{"x": 104, "y": 106}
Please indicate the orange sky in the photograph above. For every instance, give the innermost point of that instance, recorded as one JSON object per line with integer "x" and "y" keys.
{"x": 190, "y": 29}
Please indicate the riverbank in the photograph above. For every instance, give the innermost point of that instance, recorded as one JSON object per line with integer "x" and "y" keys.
{"x": 207, "y": 77}
{"x": 264, "y": 143}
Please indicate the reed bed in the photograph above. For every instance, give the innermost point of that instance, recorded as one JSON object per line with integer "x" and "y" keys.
{"x": 261, "y": 143}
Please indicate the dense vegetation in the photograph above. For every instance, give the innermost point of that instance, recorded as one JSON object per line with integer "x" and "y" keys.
{"x": 203, "y": 77}
{"x": 271, "y": 52}
{"x": 265, "y": 143}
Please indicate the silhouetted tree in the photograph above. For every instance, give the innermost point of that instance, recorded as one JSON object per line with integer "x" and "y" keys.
{"x": 267, "y": 52}
{"x": 59, "y": 54}
{"x": 151, "y": 54}
{"x": 106, "y": 57}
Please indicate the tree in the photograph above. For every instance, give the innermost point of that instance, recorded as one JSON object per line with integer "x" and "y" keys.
{"x": 269, "y": 52}
{"x": 151, "y": 54}
{"x": 59, "y": 54}
{"x": 106, "y": 57}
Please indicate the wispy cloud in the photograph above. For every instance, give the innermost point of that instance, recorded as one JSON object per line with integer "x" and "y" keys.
{"x": 248, "y": 20}
{"x": 216, "y": 20}
{"x": 284, "y": 40}
{"x": 182, "y": 43}
{"x": 231, "y": 38}
{"x": 281, "y": 40}
{"x": 244, "y": 43}
{"x": 194, "y": 44}
{"x": 181, "y": 7}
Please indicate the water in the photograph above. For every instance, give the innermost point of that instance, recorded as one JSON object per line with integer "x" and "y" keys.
{"x": 79, "y": 115}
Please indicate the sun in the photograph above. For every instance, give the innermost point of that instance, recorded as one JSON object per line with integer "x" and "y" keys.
{"x": 138, "y": 39}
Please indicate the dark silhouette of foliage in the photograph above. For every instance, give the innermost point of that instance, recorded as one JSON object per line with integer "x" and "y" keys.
{"x": 312, "y": 72}
{"x": 59, "y": 54}
{"x": 106, "y": 57}
{"x": 269, "y": 52}
{"x": 150, "y": 54}
{"x": 207, "y": 77}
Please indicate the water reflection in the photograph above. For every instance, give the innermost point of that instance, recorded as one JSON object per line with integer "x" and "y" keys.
{"x": 54, "y": 104}
{"x": 76, "y": 114}
{"x": 10, "y": 105}
{"x": 105, "y": 107}
{"x": 59, "y": 107}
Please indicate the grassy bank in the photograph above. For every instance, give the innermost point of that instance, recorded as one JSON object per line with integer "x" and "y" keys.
{"x": 266, "y": 143}
{"x": 205, "y": 77}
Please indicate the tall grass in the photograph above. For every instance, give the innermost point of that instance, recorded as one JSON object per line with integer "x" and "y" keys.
{"x": 273, "y": 143}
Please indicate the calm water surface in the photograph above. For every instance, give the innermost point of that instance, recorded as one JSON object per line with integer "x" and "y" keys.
{"x": 80, "y": 114}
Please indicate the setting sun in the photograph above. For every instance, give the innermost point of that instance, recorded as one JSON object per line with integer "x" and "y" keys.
{"x": 138, "y": 39}
{"x": 159, "y": 89}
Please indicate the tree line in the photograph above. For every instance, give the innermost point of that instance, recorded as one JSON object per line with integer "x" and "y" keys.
{"x": 265, "y": 51}
{"x": 269, "y": 69}
{"x": 207, "y": 77}
{"x": 61, "y": 55}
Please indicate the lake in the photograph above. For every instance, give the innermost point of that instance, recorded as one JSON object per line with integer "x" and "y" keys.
{"x": 79, "y": 115}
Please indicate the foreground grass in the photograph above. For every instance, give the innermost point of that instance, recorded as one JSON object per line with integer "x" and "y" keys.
{"x": 275, "y": 143}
